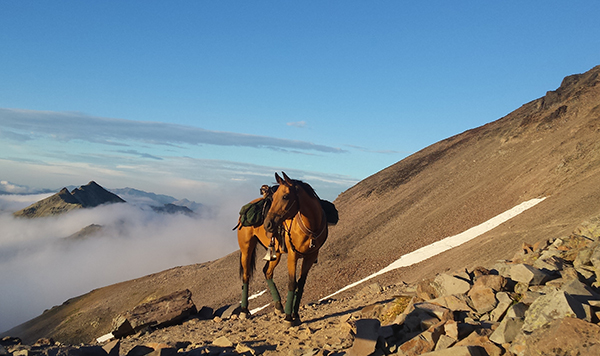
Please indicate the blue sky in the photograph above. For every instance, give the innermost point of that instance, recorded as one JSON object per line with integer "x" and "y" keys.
{"x": 207, "y": 99}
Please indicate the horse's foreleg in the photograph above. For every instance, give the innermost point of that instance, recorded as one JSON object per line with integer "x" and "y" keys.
{"x": 268, "y": 270}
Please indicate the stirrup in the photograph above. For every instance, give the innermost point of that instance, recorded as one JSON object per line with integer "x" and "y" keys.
{"x": 270, "y": 256}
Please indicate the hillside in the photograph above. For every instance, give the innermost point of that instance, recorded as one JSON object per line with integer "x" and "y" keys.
{"x": 549, "y": 148}
{"x": 86, "y": 196}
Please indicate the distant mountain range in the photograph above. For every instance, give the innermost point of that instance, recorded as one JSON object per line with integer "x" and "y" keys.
{"x": 139, "y": 197}
{"x": 92, "y": 195}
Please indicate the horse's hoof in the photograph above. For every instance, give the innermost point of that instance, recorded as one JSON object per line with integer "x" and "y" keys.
{"x": 278, "y": 308}
{"x": 244, "y": 314}
{"x": 290, "y": 321}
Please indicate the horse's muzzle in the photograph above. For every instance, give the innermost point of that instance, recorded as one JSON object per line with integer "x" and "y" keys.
{"x": 270, "y": 225}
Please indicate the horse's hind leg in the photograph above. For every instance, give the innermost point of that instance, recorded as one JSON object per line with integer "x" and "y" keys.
{"x": 247, "y": 242}
{"x": 268, "y": 270}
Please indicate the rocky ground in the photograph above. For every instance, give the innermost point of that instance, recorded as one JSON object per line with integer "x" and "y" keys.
{"x": 544, "y": 301}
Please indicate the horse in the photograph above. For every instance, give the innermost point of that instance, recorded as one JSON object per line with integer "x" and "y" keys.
{"x": 296, "y": 206}
{"x": 248, "y": 238}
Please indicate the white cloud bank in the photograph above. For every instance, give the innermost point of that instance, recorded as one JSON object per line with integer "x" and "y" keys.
{"x": 39, "y": 269}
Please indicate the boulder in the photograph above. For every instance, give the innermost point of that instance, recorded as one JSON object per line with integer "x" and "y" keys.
{"x": 566, "y": 336}
{"x": 507, "y": 331}
{"x": 168, "y": 310}
{"x": 365, "y": 342}
{"x": 445, "y": 284}
{"x": 483, "y": 298}
{"x": 552, "y": 306}
{"x": 528, "y": 274}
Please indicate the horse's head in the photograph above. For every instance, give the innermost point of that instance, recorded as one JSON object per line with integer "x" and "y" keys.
{"x": 284, "y": 205}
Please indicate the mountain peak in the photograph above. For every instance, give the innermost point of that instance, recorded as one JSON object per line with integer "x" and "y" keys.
{"x": 86, "y": 196}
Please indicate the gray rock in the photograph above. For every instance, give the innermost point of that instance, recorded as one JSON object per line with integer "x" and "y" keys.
{"x": 367, "y": 333}
{"x": 222, "y": 341}
{"x": 579, "y": 291}
{"x": 231, "y": 310}
{"x": 458, "y": 351}
{"x": 528, "y": 274}
{"x": 507, "y": 331}
{"x": 552, "y": 306}
{"x": 446, "y": 284}
{"x": 504, "y": 301}
{"x": 168, "y": 310}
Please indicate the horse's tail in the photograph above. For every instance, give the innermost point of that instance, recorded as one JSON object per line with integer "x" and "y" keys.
{"x": 252, "y": 266}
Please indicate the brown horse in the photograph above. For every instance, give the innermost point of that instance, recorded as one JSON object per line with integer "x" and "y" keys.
{"x": 298, "y": 209}
{"x": 248, "y": 237}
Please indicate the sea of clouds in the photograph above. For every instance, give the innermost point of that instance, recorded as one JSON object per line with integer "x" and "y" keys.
{"x": 39, "y": 268}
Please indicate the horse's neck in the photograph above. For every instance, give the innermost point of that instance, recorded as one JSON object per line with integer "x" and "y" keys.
{"x": 311, "y": 211}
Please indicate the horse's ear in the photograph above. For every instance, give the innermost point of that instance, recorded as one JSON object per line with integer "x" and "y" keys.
{"x": 287, "y": 179}
{"x": 278, "y": 179}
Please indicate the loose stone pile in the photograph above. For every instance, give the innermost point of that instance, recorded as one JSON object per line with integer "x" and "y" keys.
{"x": 544, "y": 301}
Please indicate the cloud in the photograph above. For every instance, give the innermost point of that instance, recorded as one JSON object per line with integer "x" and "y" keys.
{"x": 42, "y": 269}
{"x": 140, "y": 154}
{"x": 66, "y": 126}
{"x": 364, "y": 149}
{"x": 13, "y": 188}
{"x": 300, "y": 124}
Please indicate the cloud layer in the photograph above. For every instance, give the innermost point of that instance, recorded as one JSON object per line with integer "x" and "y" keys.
{"x": 39, "y": 269}
{"x": 23, "y": 125}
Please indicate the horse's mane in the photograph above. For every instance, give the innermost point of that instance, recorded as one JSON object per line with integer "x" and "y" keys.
{"x": 307, "y": 188}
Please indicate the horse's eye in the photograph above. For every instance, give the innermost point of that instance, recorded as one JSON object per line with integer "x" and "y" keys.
{"x": 286, "y": 196}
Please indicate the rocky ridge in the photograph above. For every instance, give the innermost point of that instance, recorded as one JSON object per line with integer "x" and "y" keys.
{"x": 544, "y": 301}
{"x": 86, "y": 196}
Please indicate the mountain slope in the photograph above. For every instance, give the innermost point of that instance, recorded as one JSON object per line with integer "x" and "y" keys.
{"x": 549, "y": 148}
{"x": 86, "y": 196}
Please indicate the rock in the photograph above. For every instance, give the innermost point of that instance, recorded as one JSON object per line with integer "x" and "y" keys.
{"x": 423, "y": 342}
{"x": 483, "y": 298}
{"x": 112, "y": 348}
{"x": 579, "y": 291}
{"x": 456, "y": 302}
{"x": 507, "y": 331}
{"x": 168, "y": 310}
{"x": 425, "y": 290}
{"x": 242, "y": 349}
{"x": 528, "y": 274}
{"x": 140, "y": 350}
{"x": 445, "y": 284}
{"x": 549, "y": 307}
{"x": 121, "y": 327}
{"x": 3, "y": 351}
{"x": 458, "y": 351}
{"x": 495, "y": 282}
{"x": 365, "y": 342}
{"x": 504, "y": 302}
{"x": 444, "y": 342}
{"x": 372, "y": 311}
{"x": 480, "y": 338}
{"x": 567, "y": 336}
{"x": 440, "y": 312}
{"x": 230, "y": 311}
{"x": 222, "y": 341}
